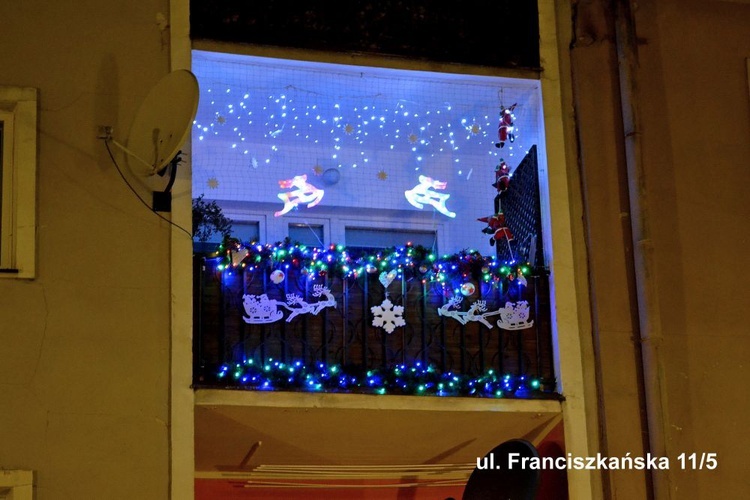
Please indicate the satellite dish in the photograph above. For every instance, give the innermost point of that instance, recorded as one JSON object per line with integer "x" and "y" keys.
{"x": 162, "y": 123}
{"x": 159, "y": 130}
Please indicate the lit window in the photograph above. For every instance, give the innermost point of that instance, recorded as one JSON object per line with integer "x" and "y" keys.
{"x": 18, "y": 133}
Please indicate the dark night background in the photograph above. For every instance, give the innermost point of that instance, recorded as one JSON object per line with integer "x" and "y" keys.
{"x": 499, "y": 33}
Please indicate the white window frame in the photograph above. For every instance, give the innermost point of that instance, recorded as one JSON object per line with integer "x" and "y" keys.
{"x": 18, "y": 111}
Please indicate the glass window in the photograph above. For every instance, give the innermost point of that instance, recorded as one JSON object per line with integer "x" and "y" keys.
{"x": 18, "y": 133}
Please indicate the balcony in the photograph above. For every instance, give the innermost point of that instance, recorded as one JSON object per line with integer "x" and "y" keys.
{"x": 398, "y": 321}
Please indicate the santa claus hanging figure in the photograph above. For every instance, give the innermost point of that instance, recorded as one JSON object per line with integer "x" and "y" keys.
{"x": 497, "y": 227}
{"x": 505, "y": 131}
{"x": 502, "y": 177}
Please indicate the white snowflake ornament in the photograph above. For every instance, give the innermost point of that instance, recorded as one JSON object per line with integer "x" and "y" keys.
{"x": 388, "y": 316}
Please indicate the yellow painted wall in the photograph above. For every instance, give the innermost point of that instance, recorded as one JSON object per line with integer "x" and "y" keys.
{"x": 696, "y": 145}
{"x": 84, "y": 348}
{"x": 691, "y": 93}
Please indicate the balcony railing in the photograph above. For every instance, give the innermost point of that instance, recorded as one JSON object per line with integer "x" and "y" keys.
{"x": 371, "y": 324}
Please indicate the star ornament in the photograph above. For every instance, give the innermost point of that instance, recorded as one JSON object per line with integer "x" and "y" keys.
{"x": 318, "y": 170}
{"x": 213, "y": 183}
{"x": 382, "y": 175}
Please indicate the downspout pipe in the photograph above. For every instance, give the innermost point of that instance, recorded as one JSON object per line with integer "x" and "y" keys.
{"x": 649, "y": 318}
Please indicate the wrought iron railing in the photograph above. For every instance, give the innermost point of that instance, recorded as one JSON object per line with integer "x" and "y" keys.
{"x": 315, "y": 331}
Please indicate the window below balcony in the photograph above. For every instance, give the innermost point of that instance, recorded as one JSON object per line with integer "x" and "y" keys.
{"x": 18, "y": 158}
{"x": 387, "y": 230}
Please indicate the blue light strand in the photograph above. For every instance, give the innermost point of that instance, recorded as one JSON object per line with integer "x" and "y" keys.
{"x": 415, "y": 379}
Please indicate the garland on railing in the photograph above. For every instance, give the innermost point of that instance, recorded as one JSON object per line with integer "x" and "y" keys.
{"x": 417, "y": 379}
{"x": 336, "y": 260}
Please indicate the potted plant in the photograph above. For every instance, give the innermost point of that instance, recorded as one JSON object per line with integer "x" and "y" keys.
{"x": 210, "y": 226}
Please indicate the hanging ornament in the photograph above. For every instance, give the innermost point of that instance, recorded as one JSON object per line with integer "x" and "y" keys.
{"x": 387, "y": 315}
{"x": 386, "y": 279}
{"x": 277, "y": 276}
{"x": 423, "y": 269}
{"x": 331, "y": 176}
{"x": 521, "y": 279}
{"x": 238, "y": 255}
{"x": 505, "y": 129}
{"x": 468, "y": 289}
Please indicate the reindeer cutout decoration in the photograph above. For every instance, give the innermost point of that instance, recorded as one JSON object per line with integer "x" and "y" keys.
{"x": 298, "y": 306}
{"x": 422, "y": 194}
{"x": 464, "y": 317}
{"x": 304, "y": 193}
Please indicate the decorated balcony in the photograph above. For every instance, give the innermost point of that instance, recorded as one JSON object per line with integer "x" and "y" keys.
{"x": 392, "y": 321}
{"x": 298, "y": 155}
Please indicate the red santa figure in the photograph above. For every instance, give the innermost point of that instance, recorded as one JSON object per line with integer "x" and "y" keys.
{"x": 505, "y": 127}
{"x": 502, "y": 177}
{"x": 496, "y": 227}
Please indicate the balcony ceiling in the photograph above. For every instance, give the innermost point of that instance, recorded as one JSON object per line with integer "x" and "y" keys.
{"x": 337, "y": 432}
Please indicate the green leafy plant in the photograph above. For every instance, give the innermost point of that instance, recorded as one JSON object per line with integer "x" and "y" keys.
{"x": 208, "y": 219}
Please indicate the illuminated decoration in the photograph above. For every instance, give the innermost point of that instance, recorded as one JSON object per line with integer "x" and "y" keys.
{"x": 277, "y": 276}
{"x": 304, "y": 193}
{"x": 298, "y": 306}
{"x": 422, "y": 194}
{"x": 382, "y": 175}
{"x": 515, "y": 316}
{"x": 415, "y": 380}
{"x": 387, "y": 316}
{"x": 448, "y": 270}
{"x": 213, "y": 183}
{"x": 505, "y": 128}
{"x": 468, "y": 289}
{"x": 359, "y": 121}
{"x": 260, "y": 309}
